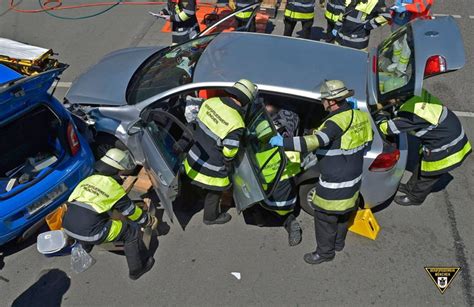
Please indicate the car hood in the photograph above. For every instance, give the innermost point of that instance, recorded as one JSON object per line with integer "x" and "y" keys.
{"x": 106, "y": 82}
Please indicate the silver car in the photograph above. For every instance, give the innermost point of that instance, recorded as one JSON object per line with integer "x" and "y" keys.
{"x": 136, "y": 97}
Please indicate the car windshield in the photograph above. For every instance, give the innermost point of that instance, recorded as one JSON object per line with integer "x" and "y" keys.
{"x": 396, "y": 67}
{"x": 166, "y": 69}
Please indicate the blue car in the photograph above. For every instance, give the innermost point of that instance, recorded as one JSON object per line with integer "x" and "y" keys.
{"x": 42, "y": 154}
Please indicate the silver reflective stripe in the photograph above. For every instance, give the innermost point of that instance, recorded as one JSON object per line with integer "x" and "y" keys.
{"x": 142, "y": 220}
{"x": 83, "y": 205}
{"x": 129, "y": 210}
{"x": 176, "y": 33}
{"x": 188, "y": 12}
{"x": 339, "y": 7}
{"x": 241, "y": 4}
{"x": 451, "y": 144}
{"x": 340, "y": 185}
{"x": 196, "y": 159}
{"x": 231, "y": 142}
{"x": 299, "y": 4}
{"x": 373, "y": 23}
{"x": 84, "y": 238}
{"x": 393, "y": 127}
{"x": 323, "y": 136}
{"x": 297, "y": 143}
{"x": 282, "y": 203}
{"x": 442, "y": 117}
{"x": 338, "y": 152}
{"x": 355, "y": 39}
{"x": 353, "y": 19}
{"x": 209, "y": 133}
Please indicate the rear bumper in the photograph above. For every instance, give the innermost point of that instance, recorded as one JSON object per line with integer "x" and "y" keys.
{"x": 14, "y": 215}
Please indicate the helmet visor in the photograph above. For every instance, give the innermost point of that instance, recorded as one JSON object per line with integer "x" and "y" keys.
{"x": 127, "y": 162}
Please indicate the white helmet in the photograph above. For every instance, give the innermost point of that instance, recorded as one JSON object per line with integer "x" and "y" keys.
{"x": 119, "y": 159}
{"x": 334, "y": 90}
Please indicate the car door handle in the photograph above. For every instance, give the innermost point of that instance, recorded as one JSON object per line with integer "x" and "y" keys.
{"x": 161, "y": 178}
{"x": 245, "y": 190}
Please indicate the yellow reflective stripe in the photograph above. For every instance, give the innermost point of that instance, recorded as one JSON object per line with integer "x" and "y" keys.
{"x": 136, "y": 214}
{"x": 114, "y": 231}
{"x": 331, "y": 16}
{"x": 312, "y": 142}
{"x": 335, "y": 205}
{"x": 384, "y": 127}
{"x": 365, "y": 7}
{"x": 432, "y": 166}
{"x": 425, "y": 106}
{"x": 283, "y": 212}
{"x": 296, "y": 15}
{"x": 100, "y": 192}
{"x": 229, "y": 152}
{"x": 208, "y": 180}
{"x": 381, "y": 20}
{"x": 244, "y": 15}
{"x": 183, "y": 16}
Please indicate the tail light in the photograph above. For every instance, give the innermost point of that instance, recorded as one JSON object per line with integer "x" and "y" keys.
{"x": 73, "y": 140}
{"x": 435, "y": 64}
{"x": 385, "y": 161}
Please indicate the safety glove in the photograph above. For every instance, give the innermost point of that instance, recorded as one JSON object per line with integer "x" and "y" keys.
{"x": 276, "y": 140}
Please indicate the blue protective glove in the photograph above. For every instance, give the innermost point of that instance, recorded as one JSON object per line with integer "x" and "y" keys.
{"x": 352, "y": 102}
{"x": 399, "y": 8}
{"x": 334, "y": 32}
{"x": 277, "y": 140}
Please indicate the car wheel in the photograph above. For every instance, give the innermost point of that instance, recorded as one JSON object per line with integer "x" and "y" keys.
{"x": 306, "y": 192}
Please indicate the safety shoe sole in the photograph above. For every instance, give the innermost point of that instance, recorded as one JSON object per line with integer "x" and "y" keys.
{"x": 221, "y": 219}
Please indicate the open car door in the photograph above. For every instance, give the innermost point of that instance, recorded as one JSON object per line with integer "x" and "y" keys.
{"x": 161, "y": 132}
{"x": 419, "y": 50}
{"x": 216, "y": 27}
{"x": 258, "y": 166}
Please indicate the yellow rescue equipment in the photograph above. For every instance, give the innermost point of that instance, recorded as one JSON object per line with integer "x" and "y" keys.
{"x": 26, "y": 59}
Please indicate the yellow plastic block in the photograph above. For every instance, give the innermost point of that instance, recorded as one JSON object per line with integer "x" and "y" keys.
{"x": 365, "y": 224}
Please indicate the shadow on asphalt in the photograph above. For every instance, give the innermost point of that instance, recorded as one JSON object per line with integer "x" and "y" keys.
{"x": 47, "y": 291}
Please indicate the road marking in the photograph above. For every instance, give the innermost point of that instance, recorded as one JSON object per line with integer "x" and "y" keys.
{"x": 64, "y": 84}
{"x": 471, "y": 17}
{"x": 458, "y": 113}
{"x": 464, "y": 114}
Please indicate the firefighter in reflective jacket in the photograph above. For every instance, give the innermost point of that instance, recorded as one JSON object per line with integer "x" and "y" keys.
{"x": 444, "y": 145}
{"x": 405, "y": 11}
{"x": 333, "y": 12}
{"x": 357, "y": 20}
{"x": 340, "y": 143}
{"x": 243, "y": 17}
{"x": 299, "y": 10}
{"x": 281, "y": 207}
{"x": 217, "y": 140}
{"x": 87, "y": 218}
{"x": 184, "y": 22}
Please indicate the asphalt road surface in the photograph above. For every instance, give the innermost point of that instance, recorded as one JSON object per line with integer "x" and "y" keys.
{"x": 194, "y": 266}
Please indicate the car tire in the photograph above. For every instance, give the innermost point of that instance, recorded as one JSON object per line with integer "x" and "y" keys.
{"x": 306, "y": 190}
{"x": 103, "y": 142}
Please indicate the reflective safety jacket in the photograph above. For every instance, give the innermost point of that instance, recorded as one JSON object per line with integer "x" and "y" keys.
{"x": 334, "y": 10}
{"x": 284, "y": 196}
{"x": 444, "y": 143}
{"x": 87, "y": 217}
{"x": 245, "y": 15}
{"x": 299, "y": 10}
{"x": 340, "y": 143}
{"x": 184, "y": 22}
{"x": 358, "y": 19}
{"x": 217, "y": 141}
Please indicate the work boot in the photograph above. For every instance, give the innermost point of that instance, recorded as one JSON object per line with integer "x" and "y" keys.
{"x": 403, "y": 188}
{"x": 315, "y": 258}
{"x": 294, "y": 230}
{"x": 406, "y": 201}
{"x": 148, "y": 265}
{"x": 223, "y": 218}
{"x": 338, "y": 248}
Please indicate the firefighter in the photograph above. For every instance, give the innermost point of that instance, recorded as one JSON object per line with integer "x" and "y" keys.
{"x": 405, "y": 11}
{"x": 444, "y": 145}
{"x": 184, "y": 24}
{"x": 281, "y": 207}
{"x": 299, "y": 10}
{"x": 340, "y": 143}
{"x": 358, "y": 18}
{"x": 216, "y": 142}
{"x": 87, "y": 217}
{"x": 243, "y": 17}
{"x": 333, "y": 12}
